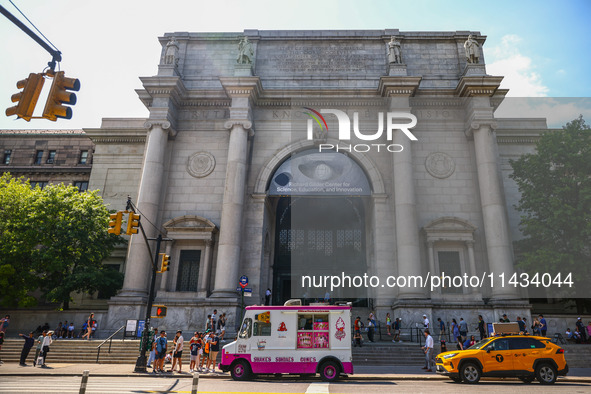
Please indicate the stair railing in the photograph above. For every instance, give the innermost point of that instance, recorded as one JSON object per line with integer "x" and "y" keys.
{"x": 110, "y": 339}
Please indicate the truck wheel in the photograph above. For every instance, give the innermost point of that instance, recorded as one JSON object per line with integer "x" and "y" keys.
{"x": 240, "y": 371}
{"x": 329, "y": 371}
{"x": 546, "y": 374}
{"x": 470, "y": 373}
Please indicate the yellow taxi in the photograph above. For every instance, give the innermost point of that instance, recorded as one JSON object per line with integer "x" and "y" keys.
{"x": 522, "y": 356}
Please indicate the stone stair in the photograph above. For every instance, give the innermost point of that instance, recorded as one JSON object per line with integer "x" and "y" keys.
{"x": 76, "y": 351}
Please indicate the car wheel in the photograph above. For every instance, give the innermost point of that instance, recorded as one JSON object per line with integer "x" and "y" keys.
{"x": 527, "y": 379}
{"x": 470, "y": 373}
{"x": 240, "y": 371}
{"x": 329, "y": 371}
{"x": 546, "y": 374}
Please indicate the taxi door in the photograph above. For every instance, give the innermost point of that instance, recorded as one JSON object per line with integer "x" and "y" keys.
{"x": 526, "y": 351}
{"x": 497, "y": 356}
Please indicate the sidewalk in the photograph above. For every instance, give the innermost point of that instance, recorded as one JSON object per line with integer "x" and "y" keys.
{"x": 582, "y": 375}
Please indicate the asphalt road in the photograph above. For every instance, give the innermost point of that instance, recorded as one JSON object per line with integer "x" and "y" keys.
{"x": 146, "y": 385}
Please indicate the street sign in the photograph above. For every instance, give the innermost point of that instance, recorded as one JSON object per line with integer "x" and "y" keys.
{"x": 243, "y": 281}
{"x": 246, "y": 289}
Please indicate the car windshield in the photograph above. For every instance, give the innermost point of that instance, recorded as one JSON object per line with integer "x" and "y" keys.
{"x": 480, "y": 345}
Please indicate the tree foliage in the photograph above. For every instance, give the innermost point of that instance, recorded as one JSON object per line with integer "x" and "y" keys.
{"x": 53, "y": 240}
{"x": 555, "y": 186}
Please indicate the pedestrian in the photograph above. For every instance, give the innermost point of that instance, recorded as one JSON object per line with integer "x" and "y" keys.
{"x": 64, "y": 332}
{"x": 39, "y": 344}
{"x": 194, "y": 347}
{"x": 397, "y": 328}
{"x": 505, "y": 319}
{"x": 370, "y": 330}
{"x": 29, "y": 342}
{"x": 214, "y": 348}
{"x": 71, "y": 329}
{"x": 206, "y": 344}
{"x": 428, "y": 349}
{"x": 425, "y": 322}
{"x": 525, "y": 324}
{"x": 456, "y": 332}
{"x": 469, "y": 342}
{"x": 177, "y": 351}
{"x": 58, "y": 330}
{"x": 83, "y": 329}
{"x": 208, "y": 323}
{"x": 481, "y": 325}
{"x": 268, "y": 297}
{"x": 214, "y": 316}
{"x": 577, "y": 335}
{"x": 89, "y": 323}
{"x": 521, "y": 324}
{"x": 463, "y": 326}
{"x": 441, "y": 328}
{"x": 327, "y": 297}
{"x": 161, "y": 345}
{"x": 45, "y": 347}
{"x": 543, "y": 325}
{"x": 357, "y": 339}
{"x": 579, "y": 324}
{"x": 536, "y": 327}
{"x": 4, "y": 322}
{"x": 152, "y": 336}
{"x": 1, "y": 342}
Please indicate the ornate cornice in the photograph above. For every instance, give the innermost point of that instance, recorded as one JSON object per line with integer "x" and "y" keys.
{"x": 392, "y": 86}
{"x": 473, "y": 86}
{"x": 119, "y": 140}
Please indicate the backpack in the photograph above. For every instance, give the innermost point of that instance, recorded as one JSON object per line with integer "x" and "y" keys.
{"x": 206, "y": 350}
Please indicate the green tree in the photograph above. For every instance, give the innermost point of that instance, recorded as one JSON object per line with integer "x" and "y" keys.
{"x": 555, "y": 186}
{"x": 53, "y": 240}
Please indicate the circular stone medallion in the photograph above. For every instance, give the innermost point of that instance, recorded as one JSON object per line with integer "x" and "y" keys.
{"x": 440, "y": 165}
{"x": 200, "y": 164}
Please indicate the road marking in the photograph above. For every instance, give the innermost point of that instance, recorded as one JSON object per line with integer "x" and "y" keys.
{"x": 317, "y": 388}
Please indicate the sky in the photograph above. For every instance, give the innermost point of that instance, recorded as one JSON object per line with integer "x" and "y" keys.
{"x": 542, "y": 48}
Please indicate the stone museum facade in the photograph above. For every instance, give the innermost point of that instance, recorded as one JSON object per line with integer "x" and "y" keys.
{"x": 233, "y": 124}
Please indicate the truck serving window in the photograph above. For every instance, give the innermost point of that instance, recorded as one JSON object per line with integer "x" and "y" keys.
{"x": 312, "y": 331}
{"x": 262, "y": 329}
{"x": 246, "y": 328}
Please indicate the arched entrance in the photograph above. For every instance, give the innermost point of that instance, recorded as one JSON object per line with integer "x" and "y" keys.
{"x": 320, "y": 202}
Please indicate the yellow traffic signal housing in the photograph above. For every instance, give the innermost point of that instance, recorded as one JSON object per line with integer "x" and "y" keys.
{"x": 27, "y": 99}
{"x": 115, "y": 223}
{"x": 133, "y": 222}
{"x": 163, "y": 263}
{"x": 160, "y": 311}
{"x": 59, "y": 95}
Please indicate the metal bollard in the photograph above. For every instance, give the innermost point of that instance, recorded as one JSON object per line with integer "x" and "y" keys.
{"x": 84, "y": 381}
{"x": 195, "y": 383}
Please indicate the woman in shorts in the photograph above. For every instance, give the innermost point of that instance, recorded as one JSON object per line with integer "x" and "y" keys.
{"x": 196, "y": 350}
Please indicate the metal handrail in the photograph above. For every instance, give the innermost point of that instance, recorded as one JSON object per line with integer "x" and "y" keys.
{"x": 110, "y": 339}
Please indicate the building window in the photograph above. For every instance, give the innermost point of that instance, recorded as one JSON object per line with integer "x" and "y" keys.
{"x": 188, "y": 270}
{"x": 41, "y": 184}
{"x": 7, "y": 154}
{"x": 81, "y": 185}
{"x": 450, "y": 265}
{"x": 83, "y": 157}
{"x": 38, "y": 157}
{"x": 51, "y": 157}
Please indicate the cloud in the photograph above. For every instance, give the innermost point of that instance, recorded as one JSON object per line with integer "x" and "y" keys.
{"x": 518, "y": 71}
{"x": 557, "y": 110}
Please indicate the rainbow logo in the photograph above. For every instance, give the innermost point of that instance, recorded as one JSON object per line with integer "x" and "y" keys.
{"x": 315, "y": 115}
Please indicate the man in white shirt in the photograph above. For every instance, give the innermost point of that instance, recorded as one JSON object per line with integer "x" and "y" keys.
{"x": 428, "y": 349}
{"x": 177, "y": 354}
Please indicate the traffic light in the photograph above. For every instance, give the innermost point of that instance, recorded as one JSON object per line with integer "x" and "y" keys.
{"x": 27, "y": 99}
{"x": 160, "y": 311}
{"x": 133, "y": 222}
{"x": 163, "y": 263}
{"x": 59, "y": 95}
{"x": 115, "y": 223}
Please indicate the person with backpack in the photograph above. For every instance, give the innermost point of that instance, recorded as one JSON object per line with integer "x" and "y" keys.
{"x": 161, "y": 345}
{"x": 206, "y": 341}
{"x": 90, "y": 322}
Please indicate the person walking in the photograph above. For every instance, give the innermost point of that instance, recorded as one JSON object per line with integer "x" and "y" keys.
{"x": 543, "y": 325}
{"x": 481, "y": 325}
{"x": 428, "y": 349}
{"x": 441, "y": 329}
{"x": 268, "y": 297}
{"x": 29, "y": 342}
{"x": 89, "y": 324}
{"x": 397, "y": 329}
{"x": 39, "y": 344}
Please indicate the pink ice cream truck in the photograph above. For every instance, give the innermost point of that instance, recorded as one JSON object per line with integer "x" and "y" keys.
{"x": 297, "y": 339}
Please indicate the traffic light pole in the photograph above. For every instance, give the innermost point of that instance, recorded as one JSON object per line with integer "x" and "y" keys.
{"x": 141, "y": 363}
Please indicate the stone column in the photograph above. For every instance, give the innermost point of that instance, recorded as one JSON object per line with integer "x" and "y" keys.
{"x": 494, "y": 215}
{"x": 472, "y": 261}
{"x": 226, "y": 278}
{"x": 204, "y": 282}
{"x": 138, "y": 266}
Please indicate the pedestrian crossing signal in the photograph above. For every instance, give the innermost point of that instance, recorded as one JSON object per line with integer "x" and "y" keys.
{"x": 160, "y": 311}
